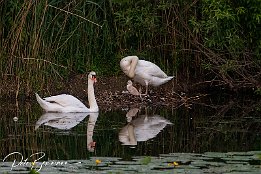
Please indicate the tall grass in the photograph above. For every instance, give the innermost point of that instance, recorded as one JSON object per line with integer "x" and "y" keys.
{"x": 42, "y": 41}
{"x": 45, "y": 41}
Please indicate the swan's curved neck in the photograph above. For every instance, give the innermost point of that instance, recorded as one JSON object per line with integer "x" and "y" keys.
{"x": 134, "y": 62}
{"x": 91, "y": 97}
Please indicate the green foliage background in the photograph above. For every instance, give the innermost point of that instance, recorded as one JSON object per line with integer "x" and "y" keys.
{"x": 48, "y": 40}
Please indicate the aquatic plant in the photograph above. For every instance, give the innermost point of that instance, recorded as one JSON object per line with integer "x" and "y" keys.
{"x": 33, "y": 171}
{"x": 97, "y": 161}
{"x": 146, "y": 160}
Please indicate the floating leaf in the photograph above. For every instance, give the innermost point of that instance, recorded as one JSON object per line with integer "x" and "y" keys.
{"x": 146, "y": 160}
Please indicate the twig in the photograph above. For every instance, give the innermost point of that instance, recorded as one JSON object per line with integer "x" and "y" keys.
{"x": 28, "y": 58}
{"x": 76, "y": 15}
{"x": 69, "y": 36}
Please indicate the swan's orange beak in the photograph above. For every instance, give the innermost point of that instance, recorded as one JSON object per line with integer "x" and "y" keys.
{"x": 94, "y": 78}
{"x": 93, "y": 144}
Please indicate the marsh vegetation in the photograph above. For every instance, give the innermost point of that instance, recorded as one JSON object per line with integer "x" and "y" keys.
{"x": 210, "y": 42}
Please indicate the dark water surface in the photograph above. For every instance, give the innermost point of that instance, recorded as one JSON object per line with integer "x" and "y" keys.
{"x": 217, "y": 124}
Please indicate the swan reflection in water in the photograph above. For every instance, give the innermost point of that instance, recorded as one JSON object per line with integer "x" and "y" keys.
{"x": 66, "y": 121}
{"x": 141, "y": 127}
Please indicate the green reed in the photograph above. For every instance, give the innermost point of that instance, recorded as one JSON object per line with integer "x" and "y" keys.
{"x": 45, "y": 41}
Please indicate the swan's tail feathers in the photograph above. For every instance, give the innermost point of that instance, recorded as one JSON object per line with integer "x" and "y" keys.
{"x": 170, "y": 77}
{"x": 168, "y": 122}
{"x": 41, "y": 102}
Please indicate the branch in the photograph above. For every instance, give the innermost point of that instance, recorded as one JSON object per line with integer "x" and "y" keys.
{"x": 76, "y": 15}
{"x": 47, "y": 61}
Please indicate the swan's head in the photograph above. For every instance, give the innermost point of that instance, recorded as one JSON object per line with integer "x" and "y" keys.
{"x": 92, "y": 76}
{"x": 91, "y": 146}
{"x": 128, "y": 65}
{"x": 129, "y": 82}
{"x": 125, "y": 63}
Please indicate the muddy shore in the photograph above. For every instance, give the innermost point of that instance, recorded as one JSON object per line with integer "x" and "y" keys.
{"x": 111, "y": 93}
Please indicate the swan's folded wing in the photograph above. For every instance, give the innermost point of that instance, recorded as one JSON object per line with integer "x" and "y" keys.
{"x": 65, "y": 100}
{"x": 151, "y": 69}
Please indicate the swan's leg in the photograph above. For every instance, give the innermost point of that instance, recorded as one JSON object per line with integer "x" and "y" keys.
{"x": 140, "y": 90}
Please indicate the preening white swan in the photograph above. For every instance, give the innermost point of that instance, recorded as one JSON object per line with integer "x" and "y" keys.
{"x": 68, "y": 103}
{"x": 144, "y": 72}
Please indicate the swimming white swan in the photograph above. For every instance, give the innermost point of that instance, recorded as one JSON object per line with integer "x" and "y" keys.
{"x": 68, "y": 103}
{"x": 144, "y": 72}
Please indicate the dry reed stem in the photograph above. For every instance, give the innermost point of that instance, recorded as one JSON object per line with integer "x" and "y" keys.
{"x": 37, "y": 38}
{"x": 76, "y": 15}
{"x": 27, "y": 58}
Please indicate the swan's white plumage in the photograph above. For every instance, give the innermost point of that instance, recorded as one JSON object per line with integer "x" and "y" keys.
{"x": 65, "y": 100}
{"x": 144, "y": 72}
{"x": 61, "y": 103}
{"x": 69, "y": 103}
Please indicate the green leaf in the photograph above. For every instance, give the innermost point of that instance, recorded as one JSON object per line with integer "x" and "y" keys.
{"x": 146, "y": 160}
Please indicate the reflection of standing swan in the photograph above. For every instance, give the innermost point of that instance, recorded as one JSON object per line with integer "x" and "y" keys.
{"x": 64, "y": 121}
{"x": 144, "y": 72}
{"x": 68, "y": 103}
{"x": 91, "y": 124}
{"x": 142, "y": 128}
